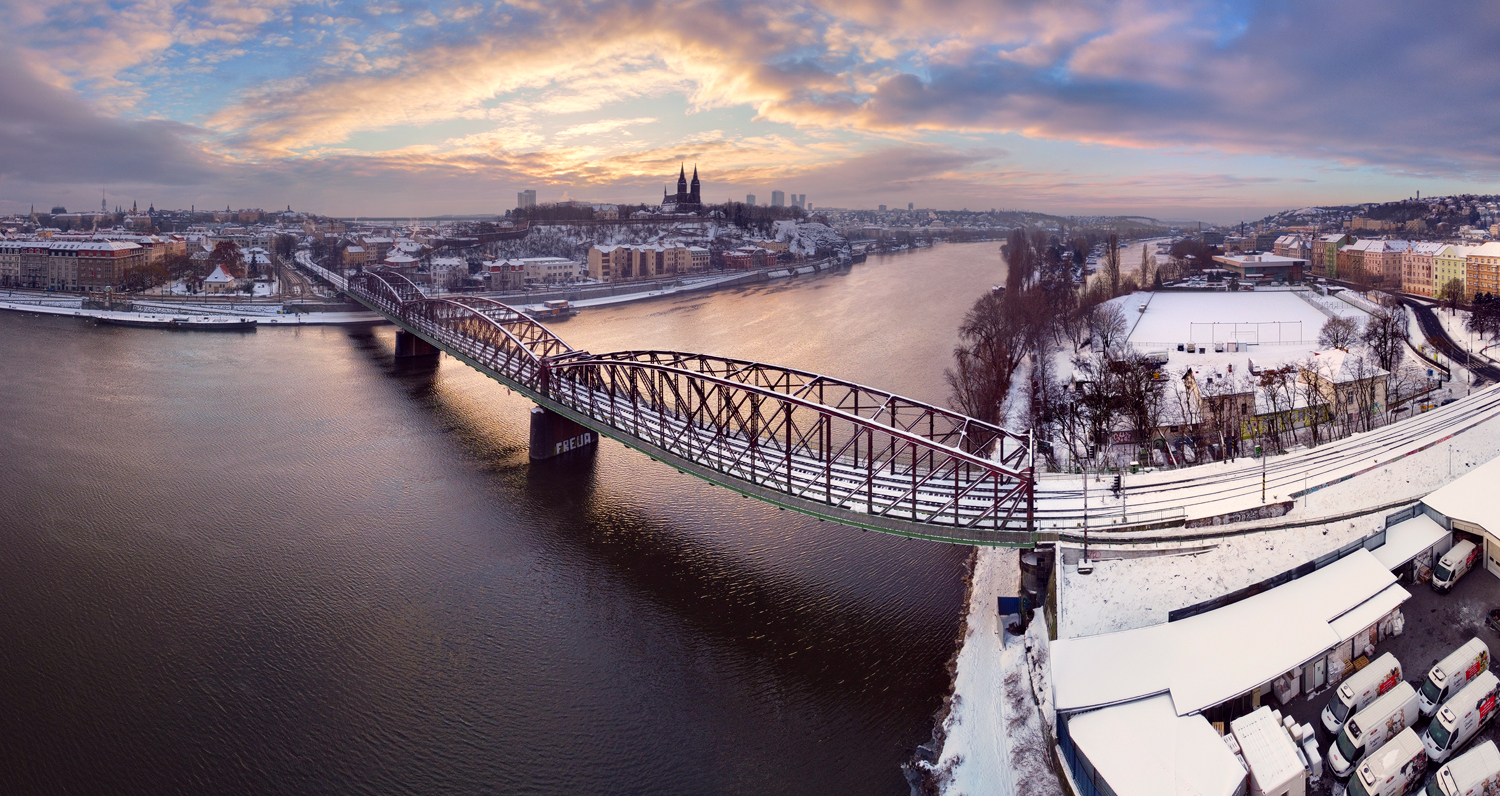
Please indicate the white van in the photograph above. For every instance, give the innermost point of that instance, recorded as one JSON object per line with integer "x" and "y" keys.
{"x": 1452, "y": 673}
{"x": 1394, "y": 770}
{"x": 1462, "y": 717}
{"x": 1453, "y": 565}
{"x": 1372, "y": 727}
{"x": 1359, "y": 690}
{"x": 1473, "y": 773}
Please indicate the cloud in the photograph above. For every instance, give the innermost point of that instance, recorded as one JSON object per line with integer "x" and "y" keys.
{"x": 602, "y": 126}
{"x": 49, "y": 136}
{"x": 855, "y": 95}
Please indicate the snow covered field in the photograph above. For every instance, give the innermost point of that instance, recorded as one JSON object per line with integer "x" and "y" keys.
{"x": 1245, "y": 316}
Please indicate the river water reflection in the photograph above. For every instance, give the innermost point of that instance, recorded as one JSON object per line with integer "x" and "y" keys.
{"x": 282, "y": 562}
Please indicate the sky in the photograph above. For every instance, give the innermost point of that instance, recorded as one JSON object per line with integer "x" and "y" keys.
{"x": 1181, "y": 109}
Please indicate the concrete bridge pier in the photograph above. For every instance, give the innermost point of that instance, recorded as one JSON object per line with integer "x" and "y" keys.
{"x": 410, "y": 345}
{"x": 554, "y": 435}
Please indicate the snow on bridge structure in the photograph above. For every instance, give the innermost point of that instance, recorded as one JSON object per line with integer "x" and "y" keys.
{"x": 828, "y": 448}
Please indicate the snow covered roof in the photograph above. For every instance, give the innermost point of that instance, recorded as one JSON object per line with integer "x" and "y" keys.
{"x": 1344, "y": 367}
{"x": 1405, "y": 539}
{"x": 1471, "y": 498}
{"x": 1209, "y": 658}
{"x": 219, "y": 276}
{"x": 1425, "y": 249}
{"x": 1489, "y": 249}
{"x": 1145, "y": 749}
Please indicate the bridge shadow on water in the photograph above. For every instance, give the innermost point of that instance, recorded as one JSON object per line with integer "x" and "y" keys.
{"x": 853, "y": 614}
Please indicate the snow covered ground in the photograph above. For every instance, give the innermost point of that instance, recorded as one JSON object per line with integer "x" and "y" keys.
{"x": 1403, "y": 460}
{"x": 1125, "y": 594}
{"x": 994, "y": 740}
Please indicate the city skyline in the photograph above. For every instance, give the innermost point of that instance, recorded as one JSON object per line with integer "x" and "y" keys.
{"x": 1216, "y": 112}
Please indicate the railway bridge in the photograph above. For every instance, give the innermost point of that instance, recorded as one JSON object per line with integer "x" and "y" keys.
{"x": 811, "y": 443}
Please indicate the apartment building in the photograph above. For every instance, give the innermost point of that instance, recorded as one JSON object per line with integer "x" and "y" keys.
{"x": 1325, "y": 253}
{"x": 1450, "y": 264}
{"x": 625, "y": 262}
{"x": 1417, "y": 276}
{"x": 103, "y": 264}
{"x": 1482, "y": 270}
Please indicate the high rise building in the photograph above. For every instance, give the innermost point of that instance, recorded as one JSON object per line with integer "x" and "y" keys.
{"x": 750, "y": 199}
{"x": 778, "y": 199}
{"x": 882, "y": 208}
{"x": 910, "y": 206}
{"x": 526, "y": 199}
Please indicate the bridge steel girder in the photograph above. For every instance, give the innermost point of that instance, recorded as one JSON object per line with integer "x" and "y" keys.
{"x": 769, "y": 437}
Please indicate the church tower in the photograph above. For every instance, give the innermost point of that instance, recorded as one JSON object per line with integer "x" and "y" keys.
{"x": 682, "y": 186}
{"x": 693, "y": 196}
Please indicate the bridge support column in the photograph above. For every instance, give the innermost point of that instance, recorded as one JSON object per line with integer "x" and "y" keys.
{"x": 553, "y": 435}
{"x": 410, "y": 345}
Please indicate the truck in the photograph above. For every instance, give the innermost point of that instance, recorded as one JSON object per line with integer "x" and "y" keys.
{"x": 1473, "y": 773}
{"x": 1398, "y": 767}
{"x": 1453, "y": 565}
{"x": 1359, "y": 690}
{"x": 1462, "y": 717}
{"x": 1370, "y": 728}
{"x": 1452, "y": 673}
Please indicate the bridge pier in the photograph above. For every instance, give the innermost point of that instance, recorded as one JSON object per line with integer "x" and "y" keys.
{"x": 410, "y": 345}
{"x": 553, "y": 435}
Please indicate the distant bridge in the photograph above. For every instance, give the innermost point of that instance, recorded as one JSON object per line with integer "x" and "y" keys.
{"x": 825, "y": 447}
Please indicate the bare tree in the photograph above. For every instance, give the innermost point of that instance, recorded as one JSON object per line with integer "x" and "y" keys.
{"x": 992, "y": 342}
{"x": 1452, "y": 293}
{"x": 1277, "y": 389}
{"x": 1316, "y": 407}
{"x": 1140, "y": 389}
{"x": 1107, "y": 327}
{"x": 1338, "y": 332}
{"x": 1225, "y": 402}
{"x": 1385, "y": 333}
{"x": 1112, "y": 264}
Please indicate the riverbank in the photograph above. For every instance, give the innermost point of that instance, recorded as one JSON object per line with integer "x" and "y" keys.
{"x": 188, "y": 316}
{"x": 608, "y": 295}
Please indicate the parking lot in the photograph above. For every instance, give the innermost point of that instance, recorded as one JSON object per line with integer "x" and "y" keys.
{"x": 1435, "y": 625}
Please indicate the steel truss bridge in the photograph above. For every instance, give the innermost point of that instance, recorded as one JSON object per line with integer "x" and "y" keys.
{"x": 818, "y": 445}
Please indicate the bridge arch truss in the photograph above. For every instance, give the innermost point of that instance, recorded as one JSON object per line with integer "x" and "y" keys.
{"x": 823, "y": 446}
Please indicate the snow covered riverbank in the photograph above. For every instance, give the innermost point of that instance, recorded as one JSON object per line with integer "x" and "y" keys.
{"x": 272, "y": 316}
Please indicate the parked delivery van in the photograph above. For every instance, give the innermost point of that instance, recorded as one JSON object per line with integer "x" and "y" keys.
{"x": 1454, "y": 564}
{"x": 1397, "y": 768}
{"x": 1462, "y": 717}
{"x": 1359, "y": 690}
{"x": 1452, "y": 673}
{"x": 1473, "y": 773}
{"x": 1370, "y": 728}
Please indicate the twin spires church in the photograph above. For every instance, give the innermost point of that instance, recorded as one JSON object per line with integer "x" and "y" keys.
{"x": 687, "y": 199}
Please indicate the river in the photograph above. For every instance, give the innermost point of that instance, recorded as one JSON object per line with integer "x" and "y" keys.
{"x": 282, "y": 562}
